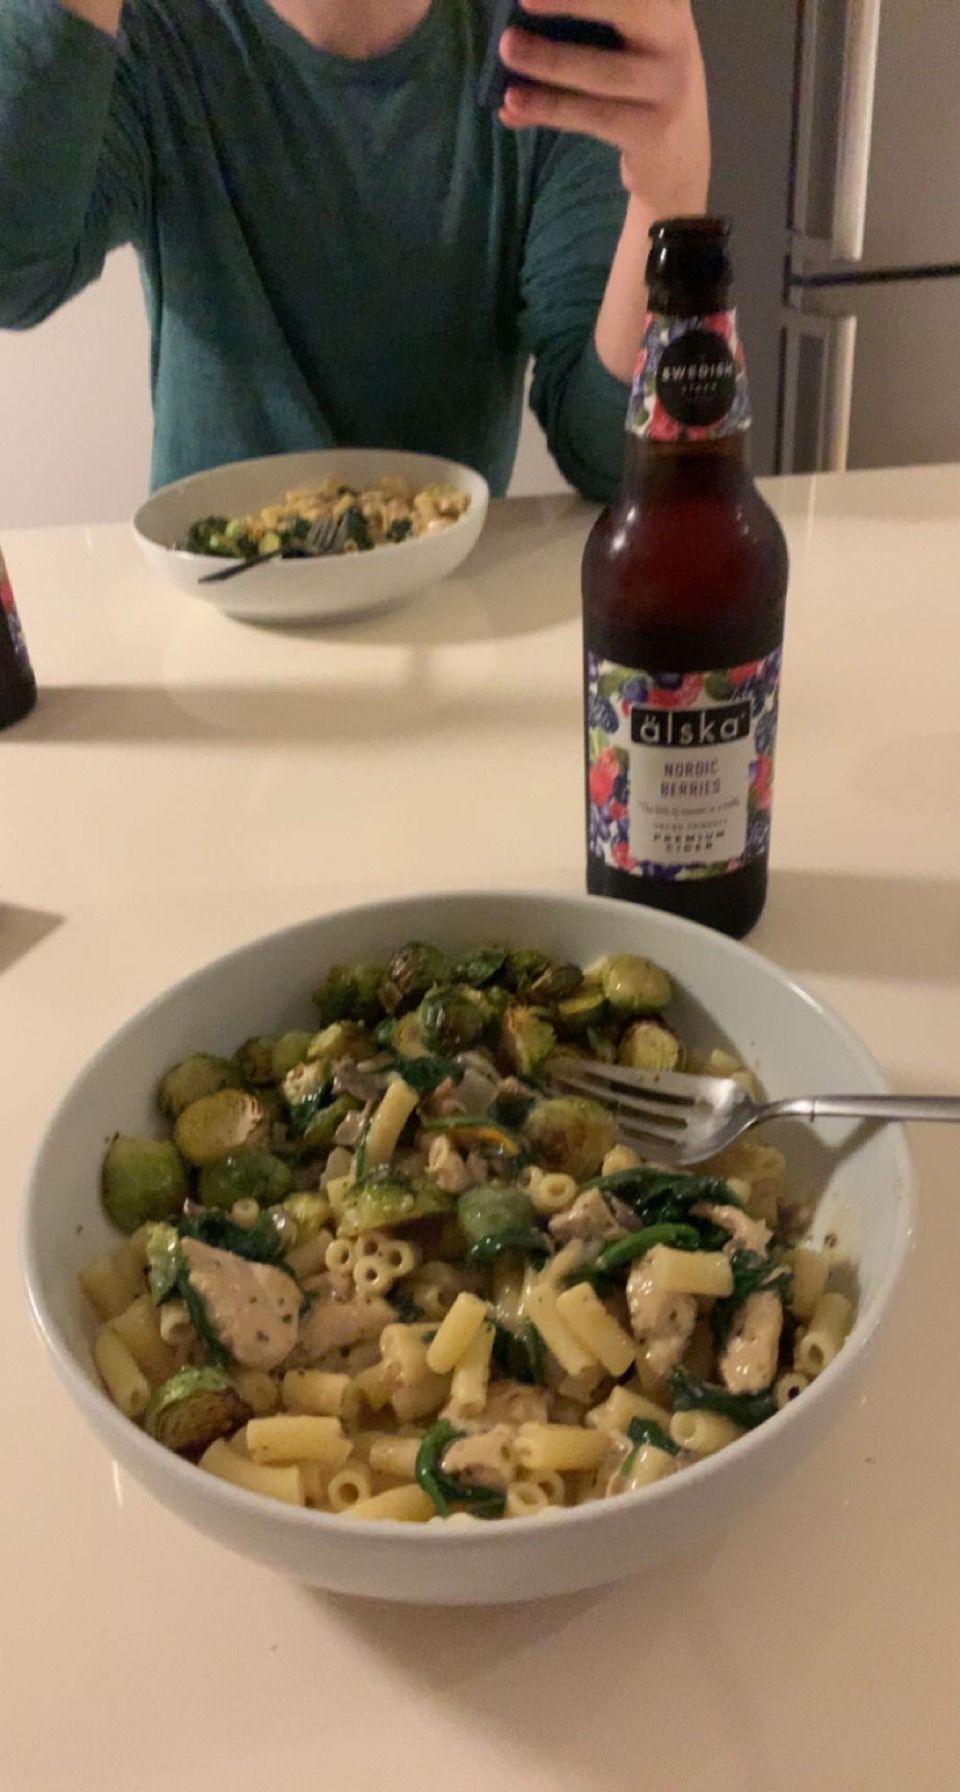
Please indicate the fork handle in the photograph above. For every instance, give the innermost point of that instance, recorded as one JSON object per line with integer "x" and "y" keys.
{"x": 866, "y": 1107}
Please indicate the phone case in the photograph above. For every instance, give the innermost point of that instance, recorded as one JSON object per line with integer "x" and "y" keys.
{"x": 495, "y": 78}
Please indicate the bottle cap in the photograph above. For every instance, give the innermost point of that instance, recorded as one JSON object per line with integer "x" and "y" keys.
{"x": 690, "y": 255}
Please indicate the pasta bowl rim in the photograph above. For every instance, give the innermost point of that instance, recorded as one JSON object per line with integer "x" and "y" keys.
{"x": 109, "y": 1422}
{"x": 203, "y": 563}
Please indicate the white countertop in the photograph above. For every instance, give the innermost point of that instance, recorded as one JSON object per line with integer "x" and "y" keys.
{"x": 186, "y": 783}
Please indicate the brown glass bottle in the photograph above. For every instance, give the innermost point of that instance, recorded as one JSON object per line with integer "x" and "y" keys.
{"x": 684, "y": 584}
{"x": 18, "y": 688}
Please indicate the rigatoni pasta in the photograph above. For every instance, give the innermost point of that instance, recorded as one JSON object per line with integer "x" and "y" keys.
{"x": 398, "y": 1277}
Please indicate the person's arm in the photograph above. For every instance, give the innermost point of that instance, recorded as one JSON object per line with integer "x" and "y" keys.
{"x": 648, "y": 102}
{"x": 576, "y": 219}
{"x": 73, "y": 159}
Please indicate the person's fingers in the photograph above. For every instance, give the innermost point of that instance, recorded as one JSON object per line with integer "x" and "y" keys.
{"x": 636, "y": 20}
{"x": 613, "y": 121}
{"x": 605, "y": 74}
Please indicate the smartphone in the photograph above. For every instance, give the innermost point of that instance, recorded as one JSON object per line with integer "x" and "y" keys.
{"x": 494, "y": 78}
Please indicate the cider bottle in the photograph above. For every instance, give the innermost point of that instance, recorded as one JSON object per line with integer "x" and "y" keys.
{"x": 18, "y": 688}
{"x": 684, "y": 584}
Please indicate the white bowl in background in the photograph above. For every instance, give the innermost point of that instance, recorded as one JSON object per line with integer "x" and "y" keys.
{"x": 308, "y": 591}
{"x": 727, "y": 994}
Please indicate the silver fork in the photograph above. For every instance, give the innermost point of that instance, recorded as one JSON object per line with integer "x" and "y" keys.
{"x": 694, "y": 1117}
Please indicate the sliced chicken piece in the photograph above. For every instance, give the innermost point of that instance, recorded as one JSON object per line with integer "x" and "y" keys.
{"x": 485, "y": 1459}
{"x": 589, "y": 1218}
{"x": 748, "y": 1361}
{"x": 746, "y": 1234}
{"x": 515, "y": 1403}
{"x": 252, "y": 1307}
{"x": 332, "y": 1324}
{"x": 662, "y": 1323}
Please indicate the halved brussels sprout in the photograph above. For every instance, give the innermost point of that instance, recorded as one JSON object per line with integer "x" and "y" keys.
{"x": 478, "y": 965}
{"x": 218, "y": 1124}
{"x": 571, "y": 1133}
{"x": 585, "y": 1009}
{"x": 342, "y": 1039}
{"x": 304, "y": 1081}
{"x": 255, "y": 1058}
{"x": 411, "y": 972}
{"x": 492, "y": 1209}
{"x": 164, "y": 1261}
{"x": 200, "y": 1074}
{"x": 193, "y": 1408}
{"x": 318, "y": 1133}
{"x": 385, "y": 1199}
{"x": 310, "y": 1212}
{"x": 142, "y": 1179}
{"x": 350, "y": 992}
{"x": 452, "y": 1018}
{"x": 526, "y": 1039}
{"x": 245, "y": 1175}
{"x": 477, "y": 1132}
{"x": 634, "y": 985}
{"x": 649, "y": 1045}
{"x": 407, "y": 1040}
{"x": 523, "y": 968}
{"x": 555, "y": 984}
{"x": 289, "y": 1051}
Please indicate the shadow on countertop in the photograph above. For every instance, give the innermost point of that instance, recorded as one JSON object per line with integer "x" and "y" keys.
{"x": 863, "y": 925}
{"x": 21, "y": 929}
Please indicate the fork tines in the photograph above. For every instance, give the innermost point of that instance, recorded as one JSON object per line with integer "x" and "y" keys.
{"x": 654, "y": 1107}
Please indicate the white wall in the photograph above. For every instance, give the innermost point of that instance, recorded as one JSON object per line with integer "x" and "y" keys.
{"x": 75, "y": 410}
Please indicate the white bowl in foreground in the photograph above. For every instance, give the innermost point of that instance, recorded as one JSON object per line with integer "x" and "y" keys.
{"x": 727, "y": 993}
{"x": 308, "y": 591}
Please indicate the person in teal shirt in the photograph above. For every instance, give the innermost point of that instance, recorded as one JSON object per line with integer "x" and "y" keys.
{"x": 339, "y": 245}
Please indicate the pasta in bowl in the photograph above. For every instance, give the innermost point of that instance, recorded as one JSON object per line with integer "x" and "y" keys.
{"x": 376, "y": 1270}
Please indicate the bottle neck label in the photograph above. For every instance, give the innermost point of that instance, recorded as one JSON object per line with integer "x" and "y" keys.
{"x": 690, "y": 383}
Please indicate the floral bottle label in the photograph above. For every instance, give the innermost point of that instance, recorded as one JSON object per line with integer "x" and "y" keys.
{"x": 12, "y": 620}
{"x": 690, "y": 382}
{"x": 680, "y": 767}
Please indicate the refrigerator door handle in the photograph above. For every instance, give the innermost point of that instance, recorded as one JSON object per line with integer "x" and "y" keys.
{"x": 860, "y": 53}
{"x": 836, "y": 341}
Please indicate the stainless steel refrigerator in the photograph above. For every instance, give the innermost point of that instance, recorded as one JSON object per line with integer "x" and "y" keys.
{"x": 837, "y": 151}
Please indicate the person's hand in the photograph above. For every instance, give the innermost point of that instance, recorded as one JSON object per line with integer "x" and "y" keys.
{"x": 648, "y": 100}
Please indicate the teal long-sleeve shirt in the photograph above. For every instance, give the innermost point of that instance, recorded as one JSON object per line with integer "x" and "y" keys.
{"x": 333, "y": 252}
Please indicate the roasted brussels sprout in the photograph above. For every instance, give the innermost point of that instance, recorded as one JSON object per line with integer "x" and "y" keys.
{"x": 407, "y": 1041}
{"x": 411, "y": 972}
{"x": 193, "y": 1408}
{"x": 310, "y": 1212}
{"x": 218, "y": 1124}
{"x": 478, "y": 965}
{"x": 523, "y": 968}
{"x": 141, "y": 1180}
{"x": 164, "y": 1261}
{"x": 478, "y": 1132}
{"x": 342, "y": 1039}
{"x": 243, "y": 1176}
{"x": 384, "y": 1199}
{"x": 649, "y": 1045}
{"x": 493, "y": 1209}
{"x": 526, "y": 1039}
{"x": 571, "y": 1133}
{"x": 255, "y": 1058}
{"x": 320, "y": 1128}
{"x": 305, "y": 1081}
{"x": 350, "y": 992}
{"x": 451, "y": 1018}
{"x": 585, "y": 1009}
{"x": 633, "y": 985}
{"x": 555, "y": 984}
{"x": 289, "y": 1051}
{"x": 200, "y": 1074}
